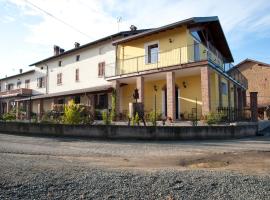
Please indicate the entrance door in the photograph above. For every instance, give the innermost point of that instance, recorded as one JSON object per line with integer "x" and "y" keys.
{"x": 164, "y": 102}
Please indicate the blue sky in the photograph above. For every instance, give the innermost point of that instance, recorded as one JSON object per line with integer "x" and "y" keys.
{"x": 28, "y": 34}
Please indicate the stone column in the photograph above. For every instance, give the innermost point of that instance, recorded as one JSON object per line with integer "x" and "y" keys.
{"x": 170, "y": 78}
{"x": 140, "y": 87}
{"x": 116, "y": 87}
{"x": 254, "y": 106}
{"x": 205, "y": 89}
{"x": 40, "y": 109}
{"x": 17, "y": 109}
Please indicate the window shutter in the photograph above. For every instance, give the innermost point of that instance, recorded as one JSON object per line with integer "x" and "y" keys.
{"x": 103, "y": 69}
{"x": 37, "y": 82}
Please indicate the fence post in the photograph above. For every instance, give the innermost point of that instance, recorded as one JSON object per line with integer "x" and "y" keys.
{"x": 254, "y": 106}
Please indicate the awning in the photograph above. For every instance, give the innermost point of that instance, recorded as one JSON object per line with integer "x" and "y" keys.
{"x": 98, "y": 89}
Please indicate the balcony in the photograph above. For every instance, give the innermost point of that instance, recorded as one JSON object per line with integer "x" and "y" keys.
{"x": 173, "y": 57}
{"x": 16, "y": 92}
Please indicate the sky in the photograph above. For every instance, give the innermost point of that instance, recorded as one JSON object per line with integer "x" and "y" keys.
{"x": 28, "y": 33}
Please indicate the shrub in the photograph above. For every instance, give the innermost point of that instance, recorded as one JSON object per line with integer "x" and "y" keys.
{"x": 72, "y": 113}
{"x": 135, "y": 120}
{"x": 106, "y": 118}
{"x": 215, "y": 118}
{"x": 10, "y": 116}
{"x": 154, "y": 119}
{"x": 47, "y": 118}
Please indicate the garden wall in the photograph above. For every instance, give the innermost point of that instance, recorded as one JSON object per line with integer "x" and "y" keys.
{"x": 134, "y": 132}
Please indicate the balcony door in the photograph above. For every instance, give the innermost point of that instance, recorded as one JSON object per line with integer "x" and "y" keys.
{"x": 196, "y": 51}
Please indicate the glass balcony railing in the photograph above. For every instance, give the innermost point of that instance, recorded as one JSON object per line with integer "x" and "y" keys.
{"x": 173, "y": 57}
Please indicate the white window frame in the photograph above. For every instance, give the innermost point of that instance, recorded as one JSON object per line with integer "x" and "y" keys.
{"x": 146, "y": 45}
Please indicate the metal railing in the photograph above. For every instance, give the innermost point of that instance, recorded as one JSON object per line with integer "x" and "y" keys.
{"x": 173, "y": 57}
{"x": 20, "y": 91}
{"x": 230, "y": 114}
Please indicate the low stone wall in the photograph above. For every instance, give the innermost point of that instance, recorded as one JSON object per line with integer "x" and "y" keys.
{"x": 134, "y": 132}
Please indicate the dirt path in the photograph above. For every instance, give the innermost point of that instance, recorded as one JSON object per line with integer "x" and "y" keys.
{"x": 244, "y": 155}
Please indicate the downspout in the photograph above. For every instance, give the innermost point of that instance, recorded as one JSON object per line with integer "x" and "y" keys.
{"x": 47, "y": 78}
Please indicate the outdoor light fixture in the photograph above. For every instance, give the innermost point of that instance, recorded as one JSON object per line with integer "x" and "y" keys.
{"x": 184, "y": 84}
{"x": 155, "y": 88}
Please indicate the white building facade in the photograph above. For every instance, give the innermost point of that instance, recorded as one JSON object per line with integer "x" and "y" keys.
{"x": 77, "y": 74}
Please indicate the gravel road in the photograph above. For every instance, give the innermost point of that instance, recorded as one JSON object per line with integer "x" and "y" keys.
{"x": 61, "y": 168}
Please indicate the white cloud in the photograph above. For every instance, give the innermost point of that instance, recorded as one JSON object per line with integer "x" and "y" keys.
{"x": 98, "y": 18}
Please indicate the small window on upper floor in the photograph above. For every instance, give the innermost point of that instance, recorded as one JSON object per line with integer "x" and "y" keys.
{"x": 59, "y": 79}
{"x": 59, "y": 63}
{"x": 101, "y": 50}
{"x": 77, "y": 75}
{"x": 101, "y": 69}
{"x": 78, "y": 58}
{"x": 224, "y": 88}
{"x": 151, "y": 53}
{"x": 27, "y": 84}
{"x": 19, "y": 84}
{"x": 41, "y": 82}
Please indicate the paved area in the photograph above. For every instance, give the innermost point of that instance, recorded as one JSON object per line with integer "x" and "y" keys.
{"x": 66, "y": 168}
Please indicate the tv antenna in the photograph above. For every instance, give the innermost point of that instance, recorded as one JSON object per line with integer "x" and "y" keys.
{"x": 119, "y": 20}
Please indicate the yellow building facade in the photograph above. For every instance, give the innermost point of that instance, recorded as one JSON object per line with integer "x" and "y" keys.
{"x": 178, "y": 68}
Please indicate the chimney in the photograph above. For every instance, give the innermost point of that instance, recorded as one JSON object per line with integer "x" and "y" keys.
{"x": 133, "y": 28}
{"x": 62, "y": 50}
{"x": 56, "y": 50}
{"x": 21, "y": 71}
{"x": 76, "y": 44}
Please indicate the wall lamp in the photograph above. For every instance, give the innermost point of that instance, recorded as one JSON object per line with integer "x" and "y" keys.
{"x": 184, "y": 84}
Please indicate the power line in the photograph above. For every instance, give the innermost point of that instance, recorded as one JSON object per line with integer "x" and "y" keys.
{"x": 56, "y": 18}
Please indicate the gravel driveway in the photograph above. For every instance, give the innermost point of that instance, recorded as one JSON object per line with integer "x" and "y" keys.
{"x": 62, "y": 168}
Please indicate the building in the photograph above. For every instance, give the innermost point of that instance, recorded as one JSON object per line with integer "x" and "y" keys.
{"x": 17, "y": 87}
{"x": 183, "y": 64}
{"x": 258, "y": 76}
{"x": 76, "y": 74}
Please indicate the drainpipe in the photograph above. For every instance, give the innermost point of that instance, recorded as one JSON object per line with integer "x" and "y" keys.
{"x": 47, "y": 78}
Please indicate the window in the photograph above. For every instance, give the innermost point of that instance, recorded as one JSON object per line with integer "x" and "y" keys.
{"x": 60, "y": 101}
{"x": 77, "y": 58}
{"x": 152, "y": 53}
{"x": 10, "y": 86}
{"x": 27, "y": 84}
{"x": 59, "y": 78}
{"x": 59, "y": 63}
{"x": 41, "y": 82}
{"x": 101, "y": 69}
{"x": 77, "y": 99}
{"x": 19, "y": 84}
{"x": 101, "y": 101}
{"x": 224, "y": 89}
{"x": 77, "y": 77}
